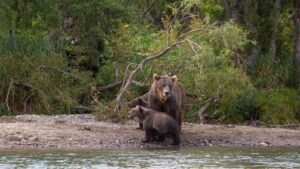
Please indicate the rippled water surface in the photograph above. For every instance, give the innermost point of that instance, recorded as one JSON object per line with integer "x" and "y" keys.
{"x": 214, "y": 157}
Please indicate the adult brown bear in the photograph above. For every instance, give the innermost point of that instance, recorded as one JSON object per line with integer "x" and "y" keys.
{"x": 167, "y": 95}
{"x": 157, "y": 125}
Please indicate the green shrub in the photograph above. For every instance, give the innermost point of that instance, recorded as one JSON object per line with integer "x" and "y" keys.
{"x": 242, "y": 109}
{"x": 3, "y": 109}
{"x": 279, "y": 107}
{"x": 44, "y": 90}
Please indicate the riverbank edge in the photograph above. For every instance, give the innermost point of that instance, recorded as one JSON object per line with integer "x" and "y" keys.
{"x": 78, "y": 132}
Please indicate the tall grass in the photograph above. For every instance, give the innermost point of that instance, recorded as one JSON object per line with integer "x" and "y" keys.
{"x": 30, "y": 82}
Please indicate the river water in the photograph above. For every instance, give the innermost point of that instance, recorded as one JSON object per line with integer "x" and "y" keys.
{"x": 209, "y": 157}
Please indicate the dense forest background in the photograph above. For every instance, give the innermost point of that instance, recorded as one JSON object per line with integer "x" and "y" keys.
{"x": 239, "y": 60}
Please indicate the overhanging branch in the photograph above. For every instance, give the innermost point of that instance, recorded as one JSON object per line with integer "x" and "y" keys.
{"x": 138, "y": 68}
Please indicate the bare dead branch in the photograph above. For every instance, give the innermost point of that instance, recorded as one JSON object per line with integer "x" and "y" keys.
{"x": 110, "y": 86}
{"x": 147, "y": 54}
{"x": 188, "y": 33}
{"x": 140, "y": 84}
{"x": 186, "y": 18}
{"x": 125, "y": 74}
{"x": 83, "y": 109}
{"x": 7, "y": 95}
{"x": 94, "y": 94}
{"x": 25, "y": 103}
{"x": 203, "y": 109}
{"x": 139, "y": 67}
{"x": 147, "y": 77}
{"x": 194, "y": 46}
{"x": 217, "y": 96}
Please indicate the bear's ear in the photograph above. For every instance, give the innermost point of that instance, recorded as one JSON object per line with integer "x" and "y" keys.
{"x": 174, "y": 78}
{"x": 156, "y": 77}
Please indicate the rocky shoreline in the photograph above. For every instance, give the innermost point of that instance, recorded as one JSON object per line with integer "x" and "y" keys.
{"x": 84, "y": 131}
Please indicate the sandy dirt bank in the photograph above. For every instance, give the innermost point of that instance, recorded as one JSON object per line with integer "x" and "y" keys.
{"x": 83, "y": 131}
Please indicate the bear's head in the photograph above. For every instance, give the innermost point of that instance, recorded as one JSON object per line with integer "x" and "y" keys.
{"x": 163, "y": 86}
{"x": 137, "y": 114}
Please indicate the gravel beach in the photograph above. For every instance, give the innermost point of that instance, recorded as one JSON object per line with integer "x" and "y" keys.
{"x": 84, "y": 131}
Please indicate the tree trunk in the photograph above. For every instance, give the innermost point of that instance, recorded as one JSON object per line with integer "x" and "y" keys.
{"x": 250, "y": 13}
{"x": 297, "y": 43}
{"x": 273, "y": 29}
{"x": 236, "y": 11}
{"x": 226, "y": 9}
{"x": 12, "y": 32}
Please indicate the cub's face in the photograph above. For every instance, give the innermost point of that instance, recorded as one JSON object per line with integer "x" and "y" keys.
{"x": 164, "y": 86}
{"x": 136, "y": 114}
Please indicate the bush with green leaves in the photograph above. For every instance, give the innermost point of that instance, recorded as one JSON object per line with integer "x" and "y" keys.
{"x": 205, "y": 64}
{"x": 39, "y": 82}
{"x": 279, "y": 106}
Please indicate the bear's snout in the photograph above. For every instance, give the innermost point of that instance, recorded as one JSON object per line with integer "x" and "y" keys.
{"x": 166, "y": 92}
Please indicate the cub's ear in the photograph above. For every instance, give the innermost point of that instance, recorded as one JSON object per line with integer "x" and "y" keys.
{"x": 174, "y": 78}
{"x": 156, "y": 77}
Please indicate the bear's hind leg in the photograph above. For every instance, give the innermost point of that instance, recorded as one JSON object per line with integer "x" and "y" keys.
{"x": 180, "y": 123}
{"x": 176, "y": 139}
{"x": 160, "y": 138}
{"x": 150, "y": 133}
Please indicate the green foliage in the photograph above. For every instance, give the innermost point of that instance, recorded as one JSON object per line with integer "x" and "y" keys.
{"x": 212, "y": 70}
{"x": 270, "y": 74}
{"x": 3, "y": 110}
{"x": 48, "y": 90}
{"x": 279, "y": 107}
{"x": 243, "y": 108}
{"x": 59, "y": 49}
{"x": 212, "y": 8}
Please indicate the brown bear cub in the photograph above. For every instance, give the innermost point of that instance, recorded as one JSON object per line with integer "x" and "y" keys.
{"x": 167, "y": 95}
{"x": 157, "y": 125}
{"x": 137, "y": 102}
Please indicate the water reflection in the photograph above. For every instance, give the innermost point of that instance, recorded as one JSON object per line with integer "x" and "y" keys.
{"x": 154, "y": 158}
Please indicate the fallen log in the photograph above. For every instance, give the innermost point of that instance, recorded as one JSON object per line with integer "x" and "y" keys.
{"x": 83, "y": 109}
